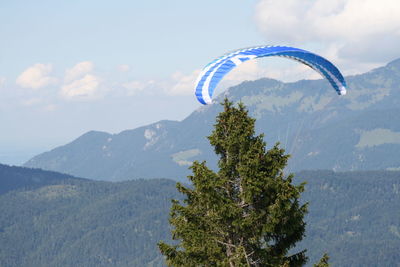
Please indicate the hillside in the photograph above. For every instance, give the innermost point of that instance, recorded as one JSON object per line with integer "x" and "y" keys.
{"x": 359, "y": 131}
{"x": 352, "y": 215}
{"x": 77, "y": 222}
{"x": 19, "y": 178}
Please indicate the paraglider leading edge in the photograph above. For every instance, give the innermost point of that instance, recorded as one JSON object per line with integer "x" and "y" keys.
{"x": 213, "y": 72}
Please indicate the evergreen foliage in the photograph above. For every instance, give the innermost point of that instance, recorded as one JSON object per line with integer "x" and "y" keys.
{"x": 246, "y": 214}
{"x": 323, "y": 262}
{"x": 76, "y": 222}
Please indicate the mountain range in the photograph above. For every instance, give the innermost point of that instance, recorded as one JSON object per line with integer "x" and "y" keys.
{"x": 321, "y": 130}
{"x": 52, "y": 219}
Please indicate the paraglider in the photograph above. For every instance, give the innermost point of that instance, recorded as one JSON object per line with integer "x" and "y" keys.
{"x": 212, "y": 73}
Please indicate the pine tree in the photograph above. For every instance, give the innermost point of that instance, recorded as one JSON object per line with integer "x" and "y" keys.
{"x": 323, "y": 262}
{"x": 246, "y": 214}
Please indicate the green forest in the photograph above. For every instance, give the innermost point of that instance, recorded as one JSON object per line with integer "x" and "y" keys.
{"x": 64, "y": 221}
{"x": 200, "y": 133}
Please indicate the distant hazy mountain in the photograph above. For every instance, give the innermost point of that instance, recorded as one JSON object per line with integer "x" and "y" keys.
{"x": 359, "y": 131}
{"x": 353, "y": 216}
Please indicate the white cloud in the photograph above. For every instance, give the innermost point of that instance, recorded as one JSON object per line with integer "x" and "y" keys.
{"x": 134, "y": 87}
{"x": 2, "y": 81}
{"x": 78, "y": 70}
{"x": 50, "y": 107}
{"x": 177, "y": 84}
{"x": 358, "y": 34}
{"x": 347, "y": 32}
{"x": 124, "y": 68}
{"x": 85, "y": 87}
{"x": 249, "y": 70}
{"x": 36, "y": 76}
{"x": 182, "y": 84}
{"x": 31, "y": 101}
{"x": 80, "y": 83}
{"x": 275, "y": 68}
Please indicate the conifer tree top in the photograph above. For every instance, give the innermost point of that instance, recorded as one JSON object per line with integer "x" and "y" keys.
{"x": 246, "y": 214}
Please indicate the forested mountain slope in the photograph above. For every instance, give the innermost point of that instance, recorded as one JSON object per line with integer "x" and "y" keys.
{"x": 13, "y": 178}
{"x": 359, "y": 131}
{"x": 352, "y": 215}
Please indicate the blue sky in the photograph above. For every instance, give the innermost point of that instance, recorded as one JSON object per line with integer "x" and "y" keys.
{"x": 142, "y": 33}
{"x": 67, "y": 67}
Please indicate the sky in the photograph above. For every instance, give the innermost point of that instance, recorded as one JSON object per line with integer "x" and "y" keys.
{"x": 68, "y": 67}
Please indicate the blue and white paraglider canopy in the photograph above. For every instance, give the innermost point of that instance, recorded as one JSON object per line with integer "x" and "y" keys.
{"x": 217, "y": 69}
